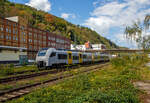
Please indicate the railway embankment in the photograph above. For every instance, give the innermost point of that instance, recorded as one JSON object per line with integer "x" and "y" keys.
{"x": 113, "y": 83}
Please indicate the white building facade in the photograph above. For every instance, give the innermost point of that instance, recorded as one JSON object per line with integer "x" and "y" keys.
{"x": 98, "y": 46}
{"x": 78, "y": 47}
{"x": 83, "y": 47}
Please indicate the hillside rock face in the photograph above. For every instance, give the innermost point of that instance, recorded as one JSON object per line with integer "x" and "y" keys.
{"x": 45, "y": 21}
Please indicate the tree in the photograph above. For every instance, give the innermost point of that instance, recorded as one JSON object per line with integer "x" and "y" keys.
{"x": 2, "y": 7}
{"x": 49, "y": 17}
{"x": 144, "y": 42}
{"x": 71, "y": 34}
{"x": 135, "y": 32}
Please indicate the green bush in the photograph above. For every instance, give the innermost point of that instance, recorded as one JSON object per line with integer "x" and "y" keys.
{"x": 11, "y": 66}
{"x": 129, "y": 60}
{"x": 6, "y": 69}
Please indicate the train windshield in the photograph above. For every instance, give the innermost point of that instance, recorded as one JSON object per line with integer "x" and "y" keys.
{"x": 42, "y": 53}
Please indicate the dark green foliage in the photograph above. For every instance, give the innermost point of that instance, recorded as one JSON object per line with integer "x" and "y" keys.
{"x": 132, "y": 60}
{"x": 6, "y": 69}
{"x": 3, "y": 4}
{"x": 11, "y": 66}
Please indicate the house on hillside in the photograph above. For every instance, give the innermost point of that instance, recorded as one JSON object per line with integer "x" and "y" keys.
{"x": 88, "y": 46}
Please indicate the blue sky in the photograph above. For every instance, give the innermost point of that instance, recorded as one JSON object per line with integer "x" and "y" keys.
{"x": 107, "y": 17}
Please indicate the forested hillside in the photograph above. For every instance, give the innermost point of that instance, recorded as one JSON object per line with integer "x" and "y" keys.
{"x": 49, "y": 22}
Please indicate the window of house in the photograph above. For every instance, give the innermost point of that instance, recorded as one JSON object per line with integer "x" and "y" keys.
{"x": 13, "y": 31}
{"x": 35, "y": 35}
{"x": 14, "y": 25}
{"x": 16, "y": 32}
{"x": 22, "y": 27}
{"x": 49, "y": 43}
{"x": 9, "y": 37}
{"x": 2, "y": 36}
{"x": 30, "y": 47}
{"x": 24, "y": 34}
{"x": 6, "y": 29}
{"x": 30, "y": 34}
{"x": 30, "y": 40}
{"x": 9, "y": 30}
{"x": 1, "y": 28}
{"x": 7, "y": 22}
{"x": 14, "y": 38}
{"x": 35, "y": 41}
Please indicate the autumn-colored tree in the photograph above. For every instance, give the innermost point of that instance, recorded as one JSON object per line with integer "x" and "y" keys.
{"x": 24, "y": 14}
{"x": 41, "y": 26}
{"x": 49, "y": 17}
{"x": 13, "y": 11}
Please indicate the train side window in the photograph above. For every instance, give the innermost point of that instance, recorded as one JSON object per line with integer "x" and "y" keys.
{"x": 53, "y": 54}
{"x": 62, "y": 56}
{"x": 75, "y": 57}
{"x": 84, "y": 56}
{"x": 69, "y": 55}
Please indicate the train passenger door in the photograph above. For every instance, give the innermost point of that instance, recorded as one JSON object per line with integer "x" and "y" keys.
{"x": 80, "y": 58}
{"x": 69, "y": 57}
{"x": 52, "y": 58}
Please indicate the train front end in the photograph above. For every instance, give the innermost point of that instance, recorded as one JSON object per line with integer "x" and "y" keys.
{"x": 41, "y": 58}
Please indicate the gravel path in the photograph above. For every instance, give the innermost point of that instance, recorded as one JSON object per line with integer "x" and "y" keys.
{"x": 144, "y": 86}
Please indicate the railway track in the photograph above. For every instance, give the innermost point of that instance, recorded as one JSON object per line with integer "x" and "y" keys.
{"x": 26, "y": 71}
{"x": 20, "y": 91}
{"x": 25, "y": 76}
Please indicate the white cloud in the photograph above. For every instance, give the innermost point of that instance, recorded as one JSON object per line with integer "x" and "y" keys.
{"x": 65, "y": 15}
{"x": 100, "y": 24}
{"x": 44, "y": 5}
{"x": 68, "y": 15}
{"x": 110, "y": 9}
{"x": 117, "y": 15}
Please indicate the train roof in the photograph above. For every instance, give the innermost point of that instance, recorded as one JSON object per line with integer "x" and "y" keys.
{"x": 69, "y": 50}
